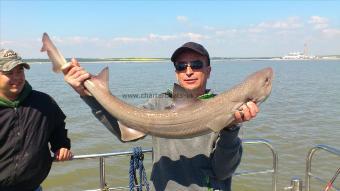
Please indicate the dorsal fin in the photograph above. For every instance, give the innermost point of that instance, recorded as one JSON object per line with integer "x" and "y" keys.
{"x": 103, "y": 77}
{"x": 182, "y": 97}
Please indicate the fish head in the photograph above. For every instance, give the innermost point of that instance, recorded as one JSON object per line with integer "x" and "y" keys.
{"x": 260, "y": 85}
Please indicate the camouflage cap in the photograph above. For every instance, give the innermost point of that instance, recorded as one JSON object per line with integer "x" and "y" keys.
{"x": 10, "y": 59}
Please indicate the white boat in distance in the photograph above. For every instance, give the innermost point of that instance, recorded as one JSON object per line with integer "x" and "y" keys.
{"x": 298, "y": 56}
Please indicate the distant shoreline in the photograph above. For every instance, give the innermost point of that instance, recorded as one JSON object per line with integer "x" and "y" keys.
{"x": 45, "y": 61}
{"x": 101, "y": 60}
{"x": 108, "y": 60}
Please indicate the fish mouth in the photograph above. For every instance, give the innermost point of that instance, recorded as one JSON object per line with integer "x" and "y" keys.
{"x": 261, "y": 100}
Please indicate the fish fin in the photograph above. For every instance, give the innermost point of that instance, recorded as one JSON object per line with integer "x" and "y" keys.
{"x": 44, "y": 39}
{"x": 128, "y": 134}
{"x": 182, "y": 97}
{"x": 103, "y": 77}
{"x": 220, "y": 122}
{"x": 53, "y": 52}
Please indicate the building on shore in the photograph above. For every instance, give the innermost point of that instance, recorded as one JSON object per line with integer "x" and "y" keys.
{"x": 299, "y": 55}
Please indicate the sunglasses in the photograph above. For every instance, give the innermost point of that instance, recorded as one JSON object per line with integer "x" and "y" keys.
{"x": 197, "y": 64}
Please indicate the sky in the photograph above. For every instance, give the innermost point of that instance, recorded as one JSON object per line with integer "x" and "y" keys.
{"x": 116, "y": 29}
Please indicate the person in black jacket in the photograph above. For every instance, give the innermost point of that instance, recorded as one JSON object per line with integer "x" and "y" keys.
{"x": 29, "y": 121}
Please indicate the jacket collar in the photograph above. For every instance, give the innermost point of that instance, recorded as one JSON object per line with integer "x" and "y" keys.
{"x": 22, "y": 96}
{"x": 208, "y": 94}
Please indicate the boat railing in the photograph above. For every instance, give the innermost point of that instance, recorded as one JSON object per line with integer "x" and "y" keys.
{"x": 273, "y": 170}
{"x": 310, "y": 155}
{"x": 102, "y": 181}
{"x": 101, "y": 157}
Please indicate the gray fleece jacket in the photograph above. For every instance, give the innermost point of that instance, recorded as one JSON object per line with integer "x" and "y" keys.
{"x": 202, "y": 163}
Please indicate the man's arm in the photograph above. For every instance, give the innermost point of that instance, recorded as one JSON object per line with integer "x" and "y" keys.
{"x": 60, "y": 143}
{"x": 228, "y": 148}
{"x": 227, "y": 154}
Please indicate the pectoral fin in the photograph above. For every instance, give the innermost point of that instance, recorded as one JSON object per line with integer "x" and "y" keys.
{"x": 128, "y": 134}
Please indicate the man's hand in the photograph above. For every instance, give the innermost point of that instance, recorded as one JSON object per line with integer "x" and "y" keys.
{"x": 63, "y": 154}
{"x": 248, "y": 111}
{"x": 75, "y": 76}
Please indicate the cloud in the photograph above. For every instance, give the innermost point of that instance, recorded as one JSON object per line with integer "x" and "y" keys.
{"x": 318, "y": 22}
{"x": 195, "y": 36}
{"x": 255, "y": 30}
{"x": 72, "y": 40}
{"x": 289, "y": 23}
{"x": 261, "y": 30}
{"x": 331, "y": 32}
{"x": 129, "y": 39}
{"x": 118, "y": 41}
{"x": 161, "y": 37}
{"x": 6, "y": 43}
{"x": 322, "y": 24}
{"x": 144, "y": 39}
{"x": 182, "y": 19}
{"x": 209, "y": 28}
{"x": 270, "y": 37}
{"x": 226, "y": 32}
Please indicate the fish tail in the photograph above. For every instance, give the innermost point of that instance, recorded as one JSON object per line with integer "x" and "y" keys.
{"x": 44, "y": 39}
{"x": 58, "y": 61}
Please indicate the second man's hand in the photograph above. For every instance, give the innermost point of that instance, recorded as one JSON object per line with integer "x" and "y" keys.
{"x": 63, "y": 154}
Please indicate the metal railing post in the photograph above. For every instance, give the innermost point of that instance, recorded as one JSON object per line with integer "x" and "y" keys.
{"x": 309, "y": 166}
{"x": 102, "y": 173}
{"x": 309, "y": 161}
{"x": 296, "y": 183}
{"x": 275, "y": 159}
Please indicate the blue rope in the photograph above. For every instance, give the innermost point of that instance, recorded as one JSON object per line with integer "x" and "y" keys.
{"x": 136, "y": 162}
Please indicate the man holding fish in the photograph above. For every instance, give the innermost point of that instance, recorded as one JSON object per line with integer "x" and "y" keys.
{"x": 205, "y": 161}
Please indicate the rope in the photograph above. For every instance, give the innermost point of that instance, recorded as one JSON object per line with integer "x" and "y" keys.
{"x": 136, "y": 162}
{"x": 330, "y": 183}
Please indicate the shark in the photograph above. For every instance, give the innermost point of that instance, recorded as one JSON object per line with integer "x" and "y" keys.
{"x": 193, "y": 118}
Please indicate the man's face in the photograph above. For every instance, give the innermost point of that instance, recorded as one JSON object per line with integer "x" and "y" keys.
{"x": 190, "y": 78}
{"x": 12, "y": 82}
